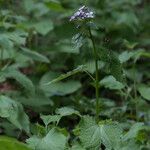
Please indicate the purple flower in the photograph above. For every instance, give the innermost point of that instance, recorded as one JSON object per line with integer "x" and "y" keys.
{"x": 82, "y": 14}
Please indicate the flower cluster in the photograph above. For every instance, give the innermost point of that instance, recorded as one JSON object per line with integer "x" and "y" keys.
{"x": 82, "y": 14}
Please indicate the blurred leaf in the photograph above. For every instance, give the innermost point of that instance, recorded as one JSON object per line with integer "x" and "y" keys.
{"x": 125, "y": 56}
{"x": 14, "y": 112}
{"x": 68, "y": 74}
{"x": 144, "y": 91}
{"x": 18, "y": 76}
{"x": 43, "y": 27}
{"x": 130, "y": 45}
{"x": 54, "y": 5}
{"x": 133, "y": 132}
{"x": 34, "y": 55}
{"x": 7, "y": 143}
{"x": 111, "y": 83}
{"x": 52, "y": 141}
{"x": 58, "y": 88}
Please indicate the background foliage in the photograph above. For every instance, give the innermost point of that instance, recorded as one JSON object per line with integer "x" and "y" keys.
{"x": 51, "y": 111}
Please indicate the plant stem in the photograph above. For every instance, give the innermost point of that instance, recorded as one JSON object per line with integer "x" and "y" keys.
{"x": 96, "y": 76}
{"x": 1, "y": 58}
{"x": 135, "y": 91}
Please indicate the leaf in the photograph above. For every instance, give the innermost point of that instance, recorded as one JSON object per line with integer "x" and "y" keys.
{"x": 111, "y": 83}
{"x": 14, "y": 112}
{"x": 34, "y": 55}
{"x": 115, "y": 67}
{"x": 61, "y": 112}
{"x": 5, "y": 42}
{"x": 7, "y": 143}
{"x": 77, "y": 147}
{"x": 37, "y": 100}
{"x": 68, "y": 74}
{"x": 125, "y": 56}
{"x": 47, "y": 119}
{"x": 112, "y": 59}
{"x": 130, "y": 45}
{"x": 90, "y": 135}
{"x": 52, "y": 141}
{"x": 144, "y": 91}
{"x": 54, "y": 5}
{"x": 18, "y": 37}
{"x": 110, "y": 135}
{"x": 18, "y": 76}
{"x": 59, "y": 88}
{"x": 132, "y": 133}
{"x": 43, "y": 27}
{"x": 66, "y": 111}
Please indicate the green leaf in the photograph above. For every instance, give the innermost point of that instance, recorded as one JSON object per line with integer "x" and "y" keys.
{"x": 37, "y": 100}
{"x": 14, "y": 112}
{"x": 54, "y": 5}
{"x": 47, "y": 119}
{"x": 5, "y": 42}
{"x": 90, "y": 134}
{"x": 52, "y": 141}
{"x": 77, "y": 147}
{"x": 34, "y": 55}
{"x": 133, "y": 132}
{"x": 68, "y": 74}
{"x": 144, "y": 91}
{"x": 113, "y": 62}
{"x": 111, "y": 83}
{"x": 61, "y": 112}
{"x": 58, "y": 88}
{"x": 110, "y": 135}
{"x": 43, "y": 27}
{"x": 125, "y": 56}
{"x": 7, "y": 143}
{"x": 66, "y": 111}
{"x": 18, "y": 37}
{"x": 18, "y": 76}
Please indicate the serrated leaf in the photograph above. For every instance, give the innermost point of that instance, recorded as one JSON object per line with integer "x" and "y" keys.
{"x": 14, "y": 112}
{"x": 111, "y": 58}
{"x": 18, "y": 76}
{"x": 144, "y": 91}
{"x": 110, "y": 135}
{"x": 34, "y": 55}
{"x": 90, "y": 135}
{"x": 61, "y": 112}
{"x": 8, "y": 143}
{"x": 111, "y": 83}
{"x": 47, "y": 119}
{"x": 52, "y": 141}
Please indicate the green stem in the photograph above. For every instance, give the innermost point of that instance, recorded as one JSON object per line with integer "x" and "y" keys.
{"x": 1, "y": 58}
{"x": 135, "y": 91}
{"x": 96, "y": 76}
